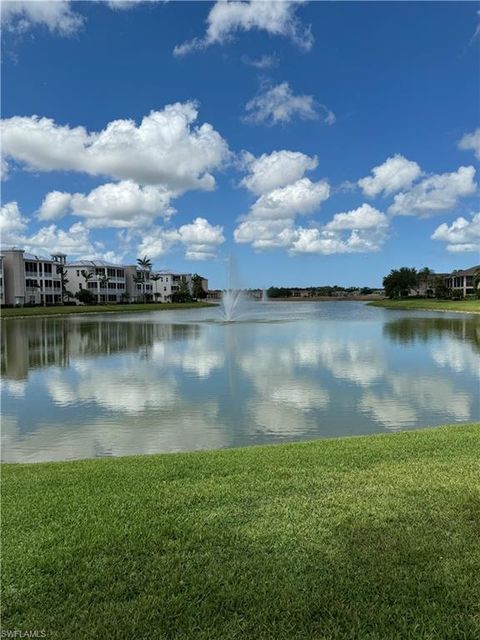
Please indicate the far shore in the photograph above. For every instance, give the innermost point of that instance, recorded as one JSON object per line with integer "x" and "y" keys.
{"x": 28, "y": 312}
{"x": 456, "y": 306}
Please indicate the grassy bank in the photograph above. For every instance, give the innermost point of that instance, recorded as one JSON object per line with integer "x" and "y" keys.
{"x": 26, "y": 312}
{"x": 359, "y": 538}
{"x": 467, "y": 306}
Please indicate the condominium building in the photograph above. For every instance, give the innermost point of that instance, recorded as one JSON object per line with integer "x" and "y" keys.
{"x": 27, "y": 279}
{"x": 463, "y": 281}
{"x": 30, "y": 279}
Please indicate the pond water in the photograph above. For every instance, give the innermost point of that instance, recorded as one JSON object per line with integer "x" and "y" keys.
{"x": 119, "y": 384}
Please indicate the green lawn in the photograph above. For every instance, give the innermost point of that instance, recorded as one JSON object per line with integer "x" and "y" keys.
{"x": 468, "y": 306}
{"x": 371, "y": 537}
{"x": 23, "y": 312}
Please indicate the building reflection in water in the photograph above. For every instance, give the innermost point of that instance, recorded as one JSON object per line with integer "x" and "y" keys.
{"x": 42, "y": 342}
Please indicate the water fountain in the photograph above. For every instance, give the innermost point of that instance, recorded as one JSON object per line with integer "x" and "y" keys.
{"x": 232, "y": 298}
{"x": 264, "y": 295}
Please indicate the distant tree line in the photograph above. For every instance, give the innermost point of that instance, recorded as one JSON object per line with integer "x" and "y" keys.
{"x": 317, "y": 292}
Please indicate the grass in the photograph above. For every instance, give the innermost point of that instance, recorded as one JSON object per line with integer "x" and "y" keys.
{"x": 467, "y": 306}
{"x": 371, "y": 537}
{"x": 25, "y": 312}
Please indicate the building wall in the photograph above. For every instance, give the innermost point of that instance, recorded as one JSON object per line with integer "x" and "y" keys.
{"x": 29, "y": 279}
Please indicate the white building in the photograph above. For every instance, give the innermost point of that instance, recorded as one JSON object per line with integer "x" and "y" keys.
{"x": 30, "y": 279}
{"x": 107, "y": 281}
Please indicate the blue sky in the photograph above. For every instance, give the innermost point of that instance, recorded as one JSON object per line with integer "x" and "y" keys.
{"x": 318, "y": 143}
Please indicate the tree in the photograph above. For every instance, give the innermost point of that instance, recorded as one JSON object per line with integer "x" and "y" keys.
{"x": 145, "y": 265}
{"x": 85, "y": 296}
{"x": 197, "y": 290}
{"x": 63, "y": 281}
{"x": 103, "y": 280}
{"x": 155, "y": 277}
{"x": 426, "y": 278}
{"x": 399, "y": 282}
{"x": 476, "y": 282}
{"x": 183, "y": 294}
{"x": 440, "y": 289}
{"x": 87, "y": 276}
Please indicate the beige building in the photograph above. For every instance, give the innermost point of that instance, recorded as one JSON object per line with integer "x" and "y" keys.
{"x": 463, "y": 281}
{"x": 30, "y": 279}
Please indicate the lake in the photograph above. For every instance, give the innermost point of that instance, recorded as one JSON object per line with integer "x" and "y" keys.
{"x": 93, "y": 385}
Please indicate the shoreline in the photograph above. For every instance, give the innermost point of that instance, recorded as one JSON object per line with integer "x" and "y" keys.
{"x": 39, "y": 312}
{"x": 446, "y": 306}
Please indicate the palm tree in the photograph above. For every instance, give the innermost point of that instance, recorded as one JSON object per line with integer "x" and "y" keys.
{"x": 103, "y": 281}
{"x": 155, "y": 277}
{"x": 87, "y": 276}
{"x": 424, "y": 277}
{"x": 145, "y": 265}
{"x": 63, "y": 279}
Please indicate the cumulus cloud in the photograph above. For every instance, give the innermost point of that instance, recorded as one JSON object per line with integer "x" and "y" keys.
{"x": 435, "y": 194}
{"x": 365, "y": 217}
{"x": 299, "y": 198}
{"x": 12, "y": 224}
{"x": 121, "y": 205}
{"x": 394, "y": 174}
{"x": 462, "y": 235}
{"x": 263, "y": 62}
{"x": 278, "y": 104}
{"x": 56, "y": 15}
{"x": 284, "y": 193}
{"x": 227, "y": 18}
{"x": 274, "y": 170}
{"x": 74, "y": 241}
{"x": 199, "y": 238}
{"x": 167, "y": 148}
{"x": 367, "y": 231}
{"x": 471, "y": 141}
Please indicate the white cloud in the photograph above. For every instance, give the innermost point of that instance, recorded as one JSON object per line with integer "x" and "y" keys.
{"x": 165, "y": 149}
{"x": 264, "y": 62}
{"x": 56, "y": 15}
{"x": 74, "y": 241}
{"x": 279, "y": 104}
{"x": 299, "y": 198}
{"x": 227, "y": 18}
{"x": 471, "y": 141}
{"x": 435, "y": 194}
{"x": 199, "y": 238}
{"x": 283, "y": 194}
{"x": 394, "y": 174}
{"x": 462, "y": 235}
{"x": 365, "y": 217}
{"x": 55, "y": 205}
{"x": 327, "y": 242}
{"x": 121, "y": 205}
{"x": 12, "y": 224}
{"x": 274, "y": 170}
{"x": 265, "y": 234}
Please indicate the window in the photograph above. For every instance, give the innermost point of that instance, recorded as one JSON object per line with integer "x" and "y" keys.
{"x": 56, "y": 284}
{"x": 92, "y": 285}
{"x": 121, "y": 285}
{"x": 120, "y": 273}
{"x": 164, "y": 288}
{"x": 78, "y": 273}
{"x": 112, "y": 285}
{"x": 48, "y": 284}
{"x": 99, "y": 272}
{"x": 47, "y": 268}
{"x": 111, "y": 273}
{"x": 112, "y": 298}
{"x": 31, "y": 267}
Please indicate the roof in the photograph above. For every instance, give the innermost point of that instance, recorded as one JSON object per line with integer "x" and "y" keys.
{"x": 31, "y": 256}
{"x": 466, "y": 272}
{"x": 94, "y": 263}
